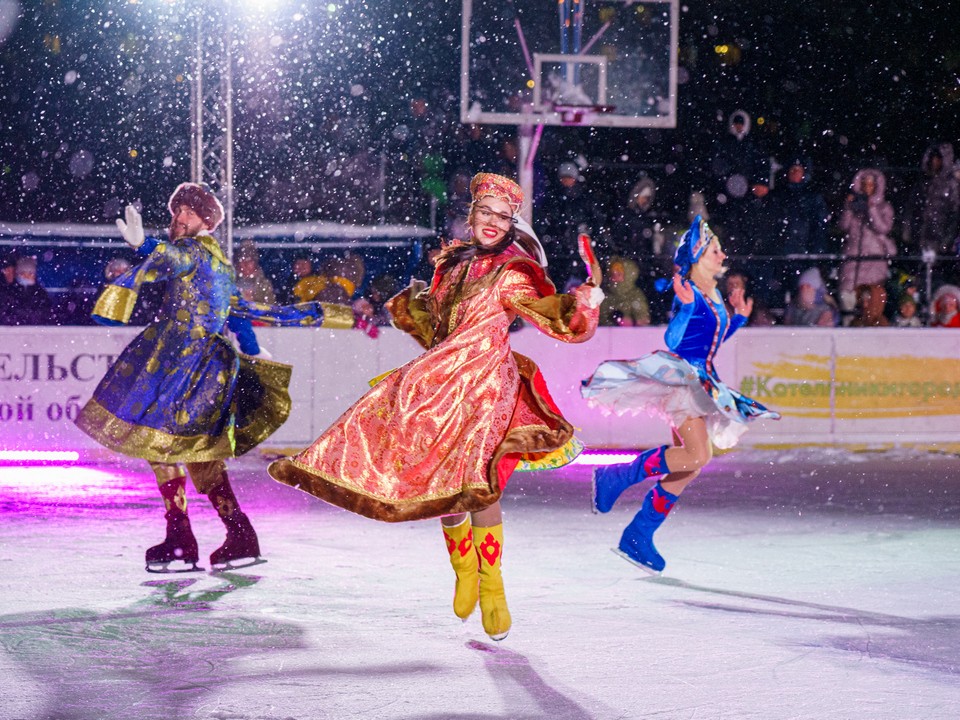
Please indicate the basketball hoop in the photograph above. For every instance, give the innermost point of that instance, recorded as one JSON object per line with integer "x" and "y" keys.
{"x": 580, "y": 114}
{"x": 589, "y": 74}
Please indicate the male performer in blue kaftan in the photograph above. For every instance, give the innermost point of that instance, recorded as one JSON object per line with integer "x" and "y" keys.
{"x": 179, "y": 393}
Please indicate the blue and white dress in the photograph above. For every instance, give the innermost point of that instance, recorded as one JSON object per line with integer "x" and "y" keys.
{"x": 682, "y": 383}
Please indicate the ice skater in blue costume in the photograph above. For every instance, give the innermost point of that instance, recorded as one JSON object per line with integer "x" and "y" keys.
{"x": 179, "y": 395}
{"x": 681, "y": 386}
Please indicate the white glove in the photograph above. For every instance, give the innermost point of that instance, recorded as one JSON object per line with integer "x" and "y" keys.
{"x": 596, "y": 297}
{"x": 132, "y": 229}
{"x": 590, "y": 295}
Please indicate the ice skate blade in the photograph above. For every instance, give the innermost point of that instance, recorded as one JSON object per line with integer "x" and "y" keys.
{"x": 646, "y": 568}
{"x": 237, "y": 564}
{"x": 499, "y": 636}
{"x": 165, "y": 569}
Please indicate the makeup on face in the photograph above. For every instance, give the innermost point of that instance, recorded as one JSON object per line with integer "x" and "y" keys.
{"x": 491, "y": 221}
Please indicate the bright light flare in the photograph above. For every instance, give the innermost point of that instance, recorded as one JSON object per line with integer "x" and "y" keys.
{"x": 611, "y": 457}
{"x": 33, "y": 456}
{"x": 260, "y": 6}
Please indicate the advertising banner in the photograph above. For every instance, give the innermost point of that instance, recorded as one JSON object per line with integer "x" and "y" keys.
{"x": 831, "y": 386}
{"x": 882, "y": 385}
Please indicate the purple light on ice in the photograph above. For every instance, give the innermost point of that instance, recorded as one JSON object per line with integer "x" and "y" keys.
{"x": 86, "y": 485}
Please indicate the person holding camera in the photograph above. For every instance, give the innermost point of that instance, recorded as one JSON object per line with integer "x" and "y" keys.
{"x": 866, "y": 220}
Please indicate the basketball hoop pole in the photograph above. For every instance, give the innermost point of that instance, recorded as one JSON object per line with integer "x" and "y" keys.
{"x": 528, "y": 140}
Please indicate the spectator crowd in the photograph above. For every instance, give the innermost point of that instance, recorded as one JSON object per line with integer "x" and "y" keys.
{"x": 855, "y": 260}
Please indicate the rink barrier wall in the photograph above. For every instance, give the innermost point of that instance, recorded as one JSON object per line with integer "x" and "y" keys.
{"x": 868, "y": 387}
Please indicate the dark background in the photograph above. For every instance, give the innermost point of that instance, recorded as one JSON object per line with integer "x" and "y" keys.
{"x": 94, "y": 97}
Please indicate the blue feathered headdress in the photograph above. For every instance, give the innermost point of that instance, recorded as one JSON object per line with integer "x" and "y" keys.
{"x": 692, "y": 245}
{"x": 691, "y": 248}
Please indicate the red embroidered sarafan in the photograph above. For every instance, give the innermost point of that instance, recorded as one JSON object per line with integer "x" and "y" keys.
{"x": 443, "y": 433}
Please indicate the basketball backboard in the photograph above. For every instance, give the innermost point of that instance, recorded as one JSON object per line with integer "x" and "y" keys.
{"x": 569, "y": 62}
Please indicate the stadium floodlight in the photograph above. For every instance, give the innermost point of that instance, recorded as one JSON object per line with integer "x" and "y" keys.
{"x": 259, "y": 6}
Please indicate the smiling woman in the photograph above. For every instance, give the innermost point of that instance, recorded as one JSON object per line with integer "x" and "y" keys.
{"x": 440, "y": 436}
{"x": 487, "y": 214}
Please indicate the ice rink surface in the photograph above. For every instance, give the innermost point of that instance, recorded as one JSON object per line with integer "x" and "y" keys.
{"x": 810, "y": 583}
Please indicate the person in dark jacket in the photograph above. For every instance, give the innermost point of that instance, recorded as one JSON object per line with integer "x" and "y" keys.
{"x": 933, "y": 209}
{"x": 29, "y": 302}
{"x": 639, "y": 233}
{"x": 800, "y": 212}
{"x": 638, "y": 230}
{"x": 569, "y": 209}
{"x": 740, "y": 171}
{"x": 798, "y": 226}
{"x": 8, "y": 281}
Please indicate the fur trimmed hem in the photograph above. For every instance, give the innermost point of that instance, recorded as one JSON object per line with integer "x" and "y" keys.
{"x": 469, "y": 500}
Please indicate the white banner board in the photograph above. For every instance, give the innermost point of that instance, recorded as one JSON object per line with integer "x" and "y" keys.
{"x": 831, "y": 386}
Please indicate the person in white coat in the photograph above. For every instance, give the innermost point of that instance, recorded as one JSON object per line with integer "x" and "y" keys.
{"x": 866, "y": 220}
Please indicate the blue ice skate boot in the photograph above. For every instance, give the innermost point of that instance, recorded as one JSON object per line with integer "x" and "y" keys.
{"x": 609, "y": 482}
{"x": 636, "y": 543}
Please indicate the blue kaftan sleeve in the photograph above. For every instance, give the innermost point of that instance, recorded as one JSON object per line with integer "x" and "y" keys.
{"x": 148, "y": 246}
{"x": 737, "y": 321}
{"x": 328, "y": 315}
{"x": 682, "y": 313}
{"x": 165, "y": 260}
{"x": 246, "y": 338}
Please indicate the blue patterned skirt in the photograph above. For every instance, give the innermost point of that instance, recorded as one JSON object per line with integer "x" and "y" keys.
{"x": 663, "y": 384}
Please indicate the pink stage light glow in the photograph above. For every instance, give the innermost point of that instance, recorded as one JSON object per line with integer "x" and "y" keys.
{"x": 26, "y": 485}
{"x": 605, "y": 457}
{"x": 41, "y": 456}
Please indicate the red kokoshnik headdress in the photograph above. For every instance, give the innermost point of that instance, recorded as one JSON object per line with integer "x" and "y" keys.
{"x": 496, "y": 186}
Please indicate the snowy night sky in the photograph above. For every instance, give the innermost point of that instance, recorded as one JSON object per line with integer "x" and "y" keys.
{"x": 95, "y": 95}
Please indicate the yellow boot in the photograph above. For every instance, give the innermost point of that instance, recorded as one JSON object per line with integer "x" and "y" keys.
{"x": 493, "y": 597}
{"x": 463, "y": 557}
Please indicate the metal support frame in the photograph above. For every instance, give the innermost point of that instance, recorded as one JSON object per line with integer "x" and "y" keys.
{"x": 571, "y": 64}
{"x": 211, "y": 114}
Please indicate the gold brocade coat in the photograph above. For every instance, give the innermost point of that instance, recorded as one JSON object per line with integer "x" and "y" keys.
{"x": 443, "y": 433}
{"x": 180, "y": 392}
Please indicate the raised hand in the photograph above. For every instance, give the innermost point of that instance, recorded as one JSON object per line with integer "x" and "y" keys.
{"x": 132, "y": 229}
{"x": 683, "y": 289}
{"x": 740, "y": 304}
{"x": 594, "y": 273}
{"x": 589, "y": 295}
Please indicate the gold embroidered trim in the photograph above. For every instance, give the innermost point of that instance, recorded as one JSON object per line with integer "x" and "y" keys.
{"x": 148, "y": 443}
{"x": 273, "y": 409}
{"x": 337, "y": 317}
{"x": 470, "y": 498}
{"x": 211, "y": 245}
{"x": 356, "y": 489}
{"x": 116, "y": 303}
